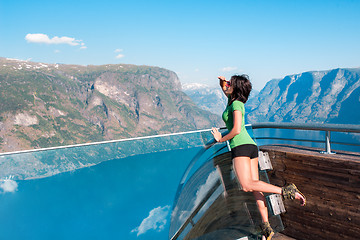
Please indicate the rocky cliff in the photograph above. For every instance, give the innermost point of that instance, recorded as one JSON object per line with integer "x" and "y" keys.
{"x": 44, "y": 105}
{"x": 209, "y": 98}
{"x": 320, "y": 96}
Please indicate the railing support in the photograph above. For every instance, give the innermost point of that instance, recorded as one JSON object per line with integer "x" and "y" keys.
{"x": 327, "y": 144}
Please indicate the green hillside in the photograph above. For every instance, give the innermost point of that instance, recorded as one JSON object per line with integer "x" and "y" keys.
{"x": 43, "y": 105}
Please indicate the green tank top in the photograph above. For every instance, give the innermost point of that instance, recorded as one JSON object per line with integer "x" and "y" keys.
{"x": 243, "y": 137}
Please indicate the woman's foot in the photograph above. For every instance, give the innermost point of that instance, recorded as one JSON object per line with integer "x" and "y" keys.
{"x": 301, "y": 197}
{"x": 291, "y": 192}
{"x": 267, "y": 231}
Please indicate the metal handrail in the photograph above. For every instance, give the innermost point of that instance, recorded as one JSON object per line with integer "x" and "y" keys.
{"x": 103, "y": 142}
{"x": 328, "y": 128}
{"x": 305, "y": 140}
{"x": 310, "y": 126}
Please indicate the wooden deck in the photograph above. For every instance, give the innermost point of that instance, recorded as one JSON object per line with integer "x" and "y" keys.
{"x": 331, "y": 183}
{"x": 280, "y": 236}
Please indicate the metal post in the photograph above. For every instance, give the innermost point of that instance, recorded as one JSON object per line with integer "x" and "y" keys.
{"x": 327, "y": 144}
{"x": 228, "y": 146}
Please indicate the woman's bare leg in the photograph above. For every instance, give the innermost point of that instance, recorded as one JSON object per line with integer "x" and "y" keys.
{"x": 247, "y": 172}
{"x": 242, "y": 167}
{"x": 259, "y": 196}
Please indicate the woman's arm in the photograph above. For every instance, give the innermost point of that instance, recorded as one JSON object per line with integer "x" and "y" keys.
{"x": 222, "y": 82}
{"x": 237, "y": 116}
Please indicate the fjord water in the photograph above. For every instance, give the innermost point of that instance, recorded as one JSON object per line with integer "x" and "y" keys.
{"x": 128, "y": 198}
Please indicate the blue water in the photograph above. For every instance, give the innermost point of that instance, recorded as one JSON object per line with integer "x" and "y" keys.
{"x": 106, "y": 201}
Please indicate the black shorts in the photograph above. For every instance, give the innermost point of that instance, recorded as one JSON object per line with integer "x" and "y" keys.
{"x": 246, "y": 150}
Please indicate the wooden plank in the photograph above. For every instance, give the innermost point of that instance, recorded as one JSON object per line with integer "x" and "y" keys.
{"x": 331, "y": 184}
{"x": 279, "y": 236}
{"x": 314, "y": 232}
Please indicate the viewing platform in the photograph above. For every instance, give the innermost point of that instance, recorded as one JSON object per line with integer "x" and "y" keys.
{"x": 330, "y": 179}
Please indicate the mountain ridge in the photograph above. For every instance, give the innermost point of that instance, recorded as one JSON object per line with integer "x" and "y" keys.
{"x": 210, "y": 98}
{"x": 314, "y": 96}
{"x": 327, "y": 96}
{"x": 44, "y": 105}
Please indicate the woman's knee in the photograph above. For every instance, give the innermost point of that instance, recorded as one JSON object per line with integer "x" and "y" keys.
{"x": 247, "y": 186}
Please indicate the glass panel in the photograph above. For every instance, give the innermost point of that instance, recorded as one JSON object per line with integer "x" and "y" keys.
{"x": 200, "y": 209}
{"x": 192, "y": 194}
{"x": 339, "y": 137}
{"x": 35, "y": 164}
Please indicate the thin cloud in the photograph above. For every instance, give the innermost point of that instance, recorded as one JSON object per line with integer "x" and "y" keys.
{"x": 118, "y": 50}
{"x": 83, "y": 46}
{"x": 229, "y": 69}
{"x": 156, "y": 221}
{"x": 43, "y": 38}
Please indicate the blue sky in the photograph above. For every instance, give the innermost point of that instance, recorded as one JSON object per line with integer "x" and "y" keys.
{"x": 199, "y": 40}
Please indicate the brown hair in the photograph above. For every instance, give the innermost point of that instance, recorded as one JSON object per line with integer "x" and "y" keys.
{"x": 241, "y": 88}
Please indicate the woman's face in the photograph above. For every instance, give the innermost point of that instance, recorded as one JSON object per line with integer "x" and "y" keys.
{"x": 229, "y": 89}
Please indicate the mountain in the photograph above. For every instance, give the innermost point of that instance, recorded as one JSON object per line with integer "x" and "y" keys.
{"x": 209, "y": 98}
{"x": 43, "y": 105}
{"x": 331, "y": 96}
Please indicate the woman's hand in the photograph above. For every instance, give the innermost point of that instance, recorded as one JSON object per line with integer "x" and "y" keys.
{"x": 222, "y": 82}
{"x": 222, "y": 78}
{"x": 217, "y": 135}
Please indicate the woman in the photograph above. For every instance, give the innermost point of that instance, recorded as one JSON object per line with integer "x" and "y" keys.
{"x": 244, "y": 150}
